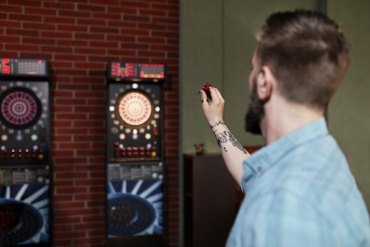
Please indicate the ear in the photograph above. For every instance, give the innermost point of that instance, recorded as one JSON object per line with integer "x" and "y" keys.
{"x": 265, "y": 83}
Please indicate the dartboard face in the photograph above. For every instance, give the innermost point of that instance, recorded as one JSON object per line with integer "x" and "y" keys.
{"x": 20, "y": 108}
{"x": 134, "y": 108}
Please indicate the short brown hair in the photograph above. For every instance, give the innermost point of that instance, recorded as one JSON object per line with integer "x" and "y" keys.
{"x": 307, "y": 53}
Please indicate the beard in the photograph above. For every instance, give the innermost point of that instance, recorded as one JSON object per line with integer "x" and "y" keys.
{"x": 255, "y": 113}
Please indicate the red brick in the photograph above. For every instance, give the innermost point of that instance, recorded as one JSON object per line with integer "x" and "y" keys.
{"x": 22, "y": 17}
{"x": 58, "y": 19}
{"x": 72, "y": 43}
{"x": 89, "y": 36}
{"x": 108, "y": 16}
{"x": 40, "y": 11}
{"x": 17, "y": 47}
{"x": 22, "y": 32}
{"x": 92, "y": 22}
{"x": 56, "y": 49}
{"x": 90, "y": 7}
{"x": 72, "y": 28}
{"x": 59, "y": 5}
{"x": 11, "y": 9}
{"x": 76, "y": 14}
{"x": 26, "y": 3}
{"x": 42, "y": 41}
{"x": 56, "y": 35}
{"x": 9, "y": 39}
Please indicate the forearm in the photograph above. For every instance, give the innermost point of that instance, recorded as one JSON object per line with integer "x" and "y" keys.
{"x": 232, "y": 151}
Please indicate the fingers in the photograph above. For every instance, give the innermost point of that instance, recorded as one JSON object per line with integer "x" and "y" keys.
{"x": 219, "y": 94}
{"x": 215, "y": 95}
{"x": 203, "y": 95}
{"x": 203, "y": 98}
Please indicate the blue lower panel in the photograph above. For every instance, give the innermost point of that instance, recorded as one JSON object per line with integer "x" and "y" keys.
{"x": 24, "y": 214}
{"x": 135, "y": 208}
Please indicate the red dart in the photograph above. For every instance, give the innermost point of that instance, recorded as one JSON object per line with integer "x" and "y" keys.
{"x": 206, "y": 90}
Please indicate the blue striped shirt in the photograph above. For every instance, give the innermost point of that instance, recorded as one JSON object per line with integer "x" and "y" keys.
{"x": 300, "y": 193}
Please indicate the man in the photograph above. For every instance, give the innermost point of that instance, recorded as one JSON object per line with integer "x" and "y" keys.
{"x": 299, "y": 189}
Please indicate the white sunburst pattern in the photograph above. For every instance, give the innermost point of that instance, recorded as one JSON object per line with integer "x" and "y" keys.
{"x": 148, "y": 192}
{"x": 35, "y": 199}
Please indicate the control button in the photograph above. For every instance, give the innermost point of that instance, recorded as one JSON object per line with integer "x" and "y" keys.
{"x": 129, "y": 151}
{"x": 4, "y": 138}
{"x": 122, "y": 136}
{"x": 135, "y": 151}
{"x": 135, "y": 137}
{"x": 114, "y": 130}
{"x": 111, "y": 108}
{"x": 141, "y": 130}
{"x": 33, "y": 137}
{"x": 155, "y": 131}
{"x": 40, "y": 156}
{"x": 157, "y": 109}
{"x": 19, "y": 137}
{"x": 148, "y": 136}
{"x": 154, "y": 154}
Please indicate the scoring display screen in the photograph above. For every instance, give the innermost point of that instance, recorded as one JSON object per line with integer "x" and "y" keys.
{"x": 23, "y": 67}
{"x": 135, "y": 71}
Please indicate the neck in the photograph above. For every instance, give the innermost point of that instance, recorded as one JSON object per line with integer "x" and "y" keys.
{"x": 282, "y": 117}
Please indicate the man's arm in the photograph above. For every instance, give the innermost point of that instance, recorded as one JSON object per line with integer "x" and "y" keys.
{"x": 232, "y": 151}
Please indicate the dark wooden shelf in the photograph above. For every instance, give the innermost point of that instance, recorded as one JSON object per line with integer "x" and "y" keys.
{"x": 209, "y": 201}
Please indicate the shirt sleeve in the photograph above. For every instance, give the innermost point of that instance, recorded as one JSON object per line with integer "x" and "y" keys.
{"x": 279, "y": 219}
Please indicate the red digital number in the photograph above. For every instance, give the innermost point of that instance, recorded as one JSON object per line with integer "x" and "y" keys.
{"x": 5, "y": 66}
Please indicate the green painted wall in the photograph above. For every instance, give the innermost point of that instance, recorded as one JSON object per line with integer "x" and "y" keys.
{"x": 349, "y": 111}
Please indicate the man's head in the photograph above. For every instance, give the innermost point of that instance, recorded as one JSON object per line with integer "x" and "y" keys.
{"x": 306, "y": 53}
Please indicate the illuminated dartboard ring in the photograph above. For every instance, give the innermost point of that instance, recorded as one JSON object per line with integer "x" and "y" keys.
{"x": 20, "y": 108}
{"x": 134, "y": 108}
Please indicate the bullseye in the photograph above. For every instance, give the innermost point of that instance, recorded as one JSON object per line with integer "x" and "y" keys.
{"x": 20, "y": 108}
{"x": 134, "y": 108}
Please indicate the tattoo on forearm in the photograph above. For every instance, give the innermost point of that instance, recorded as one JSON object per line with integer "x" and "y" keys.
{"x": 227, "y": 136}
{"x": 221, "y": 138}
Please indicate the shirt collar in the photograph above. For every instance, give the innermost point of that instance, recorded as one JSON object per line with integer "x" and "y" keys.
{"x": 266, "y": 157}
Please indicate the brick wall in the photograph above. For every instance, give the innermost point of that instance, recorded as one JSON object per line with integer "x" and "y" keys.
{"x": 78, "y": 38}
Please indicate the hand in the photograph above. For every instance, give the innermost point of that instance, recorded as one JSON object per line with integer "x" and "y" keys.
{"x": 213, "y": 109}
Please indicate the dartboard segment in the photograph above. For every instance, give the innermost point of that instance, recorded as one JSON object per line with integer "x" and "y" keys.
{"x": 134, "y": 108}
{"x": 20, "y": 108}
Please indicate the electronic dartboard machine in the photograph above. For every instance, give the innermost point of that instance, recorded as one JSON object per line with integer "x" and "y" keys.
{"x": 25, "y": 176}
{"x": 135, "y": 170}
